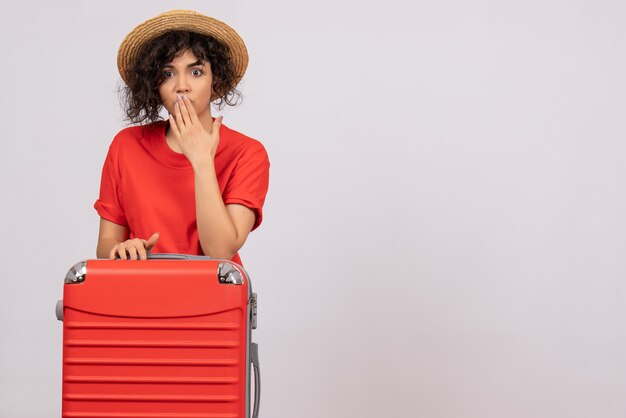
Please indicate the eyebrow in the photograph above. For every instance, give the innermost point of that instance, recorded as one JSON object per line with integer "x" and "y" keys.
{"x": 193, "y": 64}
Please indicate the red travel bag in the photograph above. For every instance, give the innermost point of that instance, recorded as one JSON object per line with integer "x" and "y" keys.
{"x": 167, "y": 337}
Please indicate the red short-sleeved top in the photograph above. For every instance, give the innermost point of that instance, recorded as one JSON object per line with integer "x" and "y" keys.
{"x": 149, "y": 188}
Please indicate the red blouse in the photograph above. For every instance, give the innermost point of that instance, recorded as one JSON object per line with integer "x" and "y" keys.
{"x": 148, "y": 187}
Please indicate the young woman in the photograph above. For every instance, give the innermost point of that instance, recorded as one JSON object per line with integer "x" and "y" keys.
{"x": 187, "y": 184}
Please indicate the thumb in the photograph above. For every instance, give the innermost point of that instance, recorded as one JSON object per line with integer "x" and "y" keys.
{"x": 217, "y": 123}
{"x": 152, "y": 241}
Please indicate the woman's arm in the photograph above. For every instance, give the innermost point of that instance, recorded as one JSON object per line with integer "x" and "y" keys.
{"x": 113, "y": 241}
{"x": 222, "y": 229}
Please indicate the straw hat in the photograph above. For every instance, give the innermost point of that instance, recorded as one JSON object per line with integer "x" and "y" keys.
{"x": 186, "y": 20}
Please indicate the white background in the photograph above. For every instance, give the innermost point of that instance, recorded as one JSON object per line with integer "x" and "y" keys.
{"x": 444, "y": 231}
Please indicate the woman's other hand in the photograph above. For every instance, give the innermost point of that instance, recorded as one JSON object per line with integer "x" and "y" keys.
{"x": 134, "y": 249}
{"x": 113, "y": 241}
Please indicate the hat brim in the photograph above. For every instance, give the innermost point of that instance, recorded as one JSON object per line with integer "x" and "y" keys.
{"x": 186, "y": 20}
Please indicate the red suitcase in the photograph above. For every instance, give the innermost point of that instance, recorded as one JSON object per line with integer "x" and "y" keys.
{"x": 167, "y": 337}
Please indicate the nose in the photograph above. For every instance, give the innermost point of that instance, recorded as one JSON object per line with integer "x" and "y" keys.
{"x": 182, "y": 86}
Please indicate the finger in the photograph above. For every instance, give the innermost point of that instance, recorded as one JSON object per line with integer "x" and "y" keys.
{"x": 152, "y": 241}
{"x": 132, "y": 251}
{"x": 180, "y": 123}
{"x": 217, "y": 123}
{"x": 184, "y": 111}
{"x": 112, "y": 253}
{"x": 174, "y": 126}
{"x": 193, "y": 116}
{"x": 141, "y": 251}
{"x": 121, "y": 251}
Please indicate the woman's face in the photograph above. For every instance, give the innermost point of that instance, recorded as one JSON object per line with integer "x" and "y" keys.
{"x": 186, "y": 75}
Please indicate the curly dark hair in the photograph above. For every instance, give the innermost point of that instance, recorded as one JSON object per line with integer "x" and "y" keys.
{"x": 140, "y": 95}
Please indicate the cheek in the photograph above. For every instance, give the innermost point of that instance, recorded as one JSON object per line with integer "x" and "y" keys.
{"x": 168, "y": 105}
{"x": 165, "y": 99}
{"x": 165, "y": 87}
{"x": 161, "y": 92}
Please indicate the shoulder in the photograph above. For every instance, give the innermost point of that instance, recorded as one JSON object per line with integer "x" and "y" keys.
{"x": 137, "y": 133}
{"x": 238, "y": 145}
{"x": 131, "y": 137}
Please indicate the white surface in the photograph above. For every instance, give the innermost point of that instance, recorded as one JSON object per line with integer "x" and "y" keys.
{"x": 444, "y": 231}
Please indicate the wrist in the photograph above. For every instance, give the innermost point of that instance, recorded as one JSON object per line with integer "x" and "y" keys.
{"x": 202, "y": 164}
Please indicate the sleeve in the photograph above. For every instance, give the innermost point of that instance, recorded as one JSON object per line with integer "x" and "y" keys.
{"x": 249, "y": 182}
{"x": 109, "y": 204}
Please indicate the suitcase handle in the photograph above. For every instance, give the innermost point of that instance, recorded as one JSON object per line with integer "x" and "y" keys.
{"x": 174, "y": 256}
{"x": 256, "y": 367}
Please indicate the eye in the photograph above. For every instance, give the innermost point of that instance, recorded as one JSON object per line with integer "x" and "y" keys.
{"x": 196, "y": 72}
{"x": 167, "y": 74}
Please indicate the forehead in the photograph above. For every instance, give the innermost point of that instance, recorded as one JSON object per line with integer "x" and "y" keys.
{"x": 185, "y": 58}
